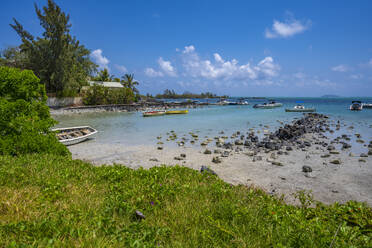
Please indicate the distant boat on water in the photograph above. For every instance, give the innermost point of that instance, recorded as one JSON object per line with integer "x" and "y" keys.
{"x": 268, "y": 105}
{"x": 356, "y": 105}
{"x": 153, "y": 113}
{"x": 367, "y": 105}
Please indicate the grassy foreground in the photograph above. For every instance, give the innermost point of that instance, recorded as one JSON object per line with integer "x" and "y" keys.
{"x": 49, "y": 200}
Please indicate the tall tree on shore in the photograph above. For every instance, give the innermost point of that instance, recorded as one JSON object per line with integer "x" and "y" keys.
{"x": 104, "y": 76}
{"x": 57, "y": 58}
{"x": 129, "y": 82}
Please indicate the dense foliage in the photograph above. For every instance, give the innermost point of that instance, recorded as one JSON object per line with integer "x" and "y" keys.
{"x": 48, "y": 200}
{"x": 57, "y": 58}
{"x": 171, "y": 94}
{"x": 100, "y": 95}
{"x": 24, "y": 117}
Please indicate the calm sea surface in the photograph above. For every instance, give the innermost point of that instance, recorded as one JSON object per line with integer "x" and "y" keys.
{"x": 133, "y": 129}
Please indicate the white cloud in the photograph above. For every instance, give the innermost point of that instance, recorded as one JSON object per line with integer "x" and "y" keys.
{"x": 299, "y": 75}
{"x": 121, "y": 68}
{"x": 340, "y": 68}
{"x": 189, "y": 49}
{"x": 101, "y": 61}
{"x": 220, "y": 68}
{"x": 152, "y": 73}
{"x": 285, "y": 29}
{"x": 356, "y": 76}
{"x": 167, "y": 67}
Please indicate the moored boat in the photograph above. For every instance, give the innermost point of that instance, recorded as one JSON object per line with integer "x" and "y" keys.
{"x": 73, "y": 135}
{"x": 268, "y": 105}
{"x": 300, "y": 108}
{"x": 367, "y": 105}
{"x": 242, "y": 101}
{"x": 153, "y": 113}
{"x": 356, "y": 105}
{"x": 175, "y": 112}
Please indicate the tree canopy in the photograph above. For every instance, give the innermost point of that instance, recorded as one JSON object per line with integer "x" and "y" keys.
{"x": 57, "y": 58}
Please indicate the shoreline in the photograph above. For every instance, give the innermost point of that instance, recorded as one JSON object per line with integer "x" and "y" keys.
{"x": 125, "y": 107}
{"x": 310, "y": 164}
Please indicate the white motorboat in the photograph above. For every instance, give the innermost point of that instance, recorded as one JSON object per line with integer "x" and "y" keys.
{"x": 356, "y": 105}
{"x": 300, "y": 108}
{"x": 73, "y": 135}
{"x": 269, "y": 105}
{"x": 367, "y": 105}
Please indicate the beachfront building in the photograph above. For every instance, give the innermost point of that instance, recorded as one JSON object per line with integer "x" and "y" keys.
{"x": 106, "y": 84}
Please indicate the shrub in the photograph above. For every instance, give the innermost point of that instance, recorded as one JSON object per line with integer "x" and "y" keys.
{"x": 25, "y": 120}
{"x": 100, "y": 95}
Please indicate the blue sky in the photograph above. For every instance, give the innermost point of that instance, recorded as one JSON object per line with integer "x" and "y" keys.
{"x": 239, "y": 48}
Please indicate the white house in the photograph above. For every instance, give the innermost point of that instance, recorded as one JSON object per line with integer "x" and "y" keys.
{"x": 106, "y": 84}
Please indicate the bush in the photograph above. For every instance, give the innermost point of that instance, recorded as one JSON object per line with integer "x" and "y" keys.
{"x": 25, "y": 120}
{"x": 100, "y": 95}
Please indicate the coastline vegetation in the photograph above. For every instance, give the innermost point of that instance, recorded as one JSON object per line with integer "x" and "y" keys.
{"x": 47, "y": 199}
{"x": 25, "y": 120}
{"x": 50, "y": 200}
{"x": 171, "y": 94}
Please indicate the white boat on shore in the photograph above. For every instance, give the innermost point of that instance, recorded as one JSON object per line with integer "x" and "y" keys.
{"x": 73, "y": 135}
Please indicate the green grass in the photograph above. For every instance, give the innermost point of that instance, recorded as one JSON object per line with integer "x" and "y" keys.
{"x": 49, "y": 200}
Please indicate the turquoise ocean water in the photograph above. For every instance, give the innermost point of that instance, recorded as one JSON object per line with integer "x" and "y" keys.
{"x": 133, "y": 129}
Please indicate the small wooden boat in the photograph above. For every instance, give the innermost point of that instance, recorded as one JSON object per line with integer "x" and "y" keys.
{"x": 73, "y": 135}
{"x": 356, "y": 105}
{"x": 300, "y": 108}
{"x": 153, "y": 113}
{"x": 175, "y": 112}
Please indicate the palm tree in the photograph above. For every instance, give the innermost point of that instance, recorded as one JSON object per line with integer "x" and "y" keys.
{"x": 129, "y": 82}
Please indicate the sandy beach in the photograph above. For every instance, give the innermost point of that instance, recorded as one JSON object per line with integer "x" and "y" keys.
{"x": 276, "y": 174}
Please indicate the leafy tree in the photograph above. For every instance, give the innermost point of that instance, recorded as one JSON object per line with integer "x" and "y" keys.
{"x": 129, "y": 82}
{"x": 25, "y": 121}
{"x": 57, "y": 58}
{"x": 104, "y": 76}
{"x": 12, "y": 57}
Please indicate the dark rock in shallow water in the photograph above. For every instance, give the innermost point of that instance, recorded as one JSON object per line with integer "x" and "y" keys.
{"x": 183, "y": 155}
{"x": 207, "y": 151}
{"x": 277, "y": 163}
{"x": 154, "y": 159}
{"x": 307, "y": 143}
{"x": 331, "y": 147}
{"x": 225, "y": 154}
{"x": 306, "y": 168}
{"x": 216, "y": 160}
{"x": 247, "y": 143}
{"x": 363, "y": 155}
{"x": 205, "y": 169}
{"x": 289, "y": 148}
{"x": 346, "y": 146}
{"x": 336, "y": 161}
{"x": 238, "y": 142}
{"x": 257, "y": 158}
{"x": 160, "y": 148}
